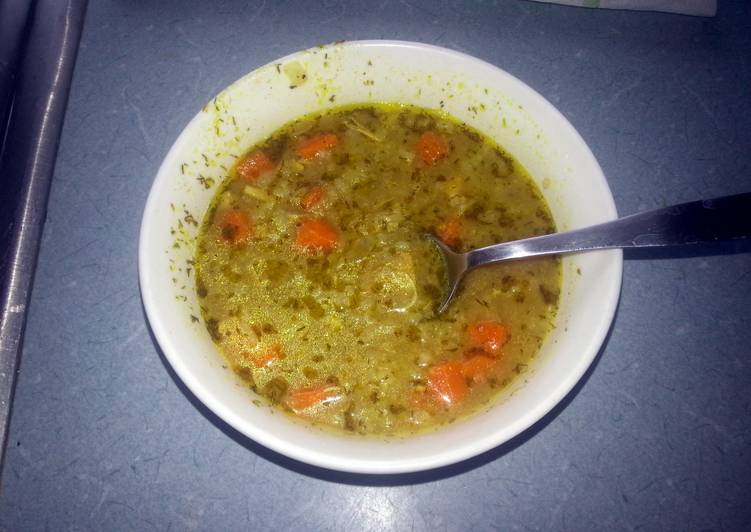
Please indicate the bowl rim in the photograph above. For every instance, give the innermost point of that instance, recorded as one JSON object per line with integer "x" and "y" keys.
{"x": 394, "y": 466}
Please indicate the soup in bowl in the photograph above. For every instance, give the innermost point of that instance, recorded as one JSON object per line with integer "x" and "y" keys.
{"x": 286, "y": 275}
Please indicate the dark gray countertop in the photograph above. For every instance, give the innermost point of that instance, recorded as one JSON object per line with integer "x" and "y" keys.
{"x": 656, "y": 437}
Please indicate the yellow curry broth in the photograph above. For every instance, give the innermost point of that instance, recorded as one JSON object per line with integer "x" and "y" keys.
{"x": 318, "y": 286}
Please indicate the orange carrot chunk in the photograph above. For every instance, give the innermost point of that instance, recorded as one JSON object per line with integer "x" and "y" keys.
{"x": 431, "y": 148}
{"x": 304, "y": 398}
{"x": 477, "y": 367}
{"x": 490, "y": 336}
{"x": 312, "y": 198}
{"x": 235, "y": 227}
{"x": 315, "y": 234}
{"x": 317, "y": 145}
{"x": 447, "y": 382}
{"x": 267, "y": 358}
{"x": 252, "y": 166}
{"x": 450, "y": 231}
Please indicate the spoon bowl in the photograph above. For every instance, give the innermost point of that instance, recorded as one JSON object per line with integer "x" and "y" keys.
{"x": 697, "y": 222}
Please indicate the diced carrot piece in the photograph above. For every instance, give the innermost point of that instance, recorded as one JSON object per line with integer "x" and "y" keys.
{"x": 312, "y": 197}
{"x": 450, "y": 231}
{"x": 490, "y": 336}
{"x": 477, "y": 367}
{"x": 266, "y": 358}
{"x": 446, "y": 381}
{"x": 315, "y": 234}
{"x": 431, "y": 148}
{"x": 235, "y": 227}
{"x": 254, "y": 165}
{"x": 317, "y": 145}
{"x": 304, "y": 398}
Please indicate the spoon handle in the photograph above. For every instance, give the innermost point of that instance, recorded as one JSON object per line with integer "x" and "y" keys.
{"x": 697, "y": 222}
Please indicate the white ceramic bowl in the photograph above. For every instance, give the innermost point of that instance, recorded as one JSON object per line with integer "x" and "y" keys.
{"x": 377, "y": 71}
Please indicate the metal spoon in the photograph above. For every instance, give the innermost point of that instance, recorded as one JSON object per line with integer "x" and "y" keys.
{"x": 697, "y": 222}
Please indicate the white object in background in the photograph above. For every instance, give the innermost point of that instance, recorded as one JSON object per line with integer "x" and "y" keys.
{"x": 701, "y": 8}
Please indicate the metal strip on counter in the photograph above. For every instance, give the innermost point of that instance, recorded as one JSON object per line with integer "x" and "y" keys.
{"x": 26, "y": 165}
